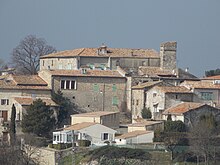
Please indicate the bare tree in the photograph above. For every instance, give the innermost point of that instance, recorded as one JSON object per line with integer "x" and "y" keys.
{"x": 25, "y": 57}
{"x": 203, "y": 138}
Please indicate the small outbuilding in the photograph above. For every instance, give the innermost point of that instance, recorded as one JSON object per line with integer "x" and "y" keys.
{"x": 109, "y": 119}
{"x": 135, "y": 137}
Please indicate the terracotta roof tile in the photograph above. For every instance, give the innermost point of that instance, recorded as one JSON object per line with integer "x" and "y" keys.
{"x": 182, "y": 108}
{"x": 11, "y": 84}
{"x": 111, "y": 52}
{"x": 132, "y": 134}
{"x": 200, "y": 85}
{"x": 89, "y": 73}
{"x": 217, "y": 77}
{"x": 154, "y": 71}
{"x": 146, "y": 84}
{"x": 79, "y": 126}
{"x": 29, "y": 80}
{"x": 173, "y": 89}
{"x": 93, "y": 114}
{"x": 144, "y": 123}
{"x": 29, "y": 101}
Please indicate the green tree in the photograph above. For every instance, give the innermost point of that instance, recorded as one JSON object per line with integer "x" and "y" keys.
{"x": 174, "y": 126}
{"x": 66, "y": 108}
{"x": 13, "y": 125}
{"x": 146, "y": 113}
{"x": 39, "y": 119}
{"x": 212, "y": 72}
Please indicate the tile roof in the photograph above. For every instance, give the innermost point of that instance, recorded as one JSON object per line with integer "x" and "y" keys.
{"x": 217, "y": 77}
{"x": 9, "y": 83}
{"x": 173, "y": 89}
{"x": 28, "y": 101}
{"x": 89, "y": 73}
{"x": 144, "y": 123}
{"x": 154, "y": 71}
{"x": 111, "y": 52}
{"x": 146, "y": 84}
{"x": 183, "y": 107}
{"x": 79, "y": 126}
{"x": 200, "y": 85}
{"x": 133, "y": 134}
{"x": 93, "y": 114}
{"x": 29, "y": 80}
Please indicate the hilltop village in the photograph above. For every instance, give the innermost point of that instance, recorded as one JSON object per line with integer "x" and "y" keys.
{"x": 113, "y": 89}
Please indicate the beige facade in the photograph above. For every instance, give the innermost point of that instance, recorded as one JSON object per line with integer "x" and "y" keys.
{"x": 146, "y": 126}
{"x": 160, "y": 98}
{"x": 109, "y": 119}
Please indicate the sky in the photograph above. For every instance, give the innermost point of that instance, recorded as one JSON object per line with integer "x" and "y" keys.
{"x": 70, "y": 24}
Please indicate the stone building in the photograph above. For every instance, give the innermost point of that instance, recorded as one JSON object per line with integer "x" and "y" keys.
{"x": 190, "y": 112}
{"x": 160, "y": 98}
{"x": 92, "y": 90}
{"x": 206, "y": 91}
{"x": 12, "y": 87}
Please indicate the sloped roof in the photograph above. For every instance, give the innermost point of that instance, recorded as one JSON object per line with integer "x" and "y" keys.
{"x": 144, "y": 123}
{"x": 23, "y": 82}
{"x": 200, "y": 85}
{"x": 217, "y": 77}
{"x": 28, "y": 101}
{"x": 146, "y": 84}
{"x": 183, "y": 107}
{"x": 89, "y": 73}
{"x": 79, "y": 126}
{"x": 155, "y": 71}
{"x": 29, "y": 80}
{"x": 173, "y": 89}
{"x": 133, "y": 134}
{"x": 111, "y": 52}
{"x": 94, "y": 114}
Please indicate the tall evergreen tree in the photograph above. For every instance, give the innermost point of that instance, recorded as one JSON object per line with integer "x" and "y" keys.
{"x": 13, "y": 125}
{"x": 39, "y": 119}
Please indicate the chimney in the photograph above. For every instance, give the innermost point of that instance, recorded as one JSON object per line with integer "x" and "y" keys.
{"x": 102, "y": 49}
{"x": 187, "y": 69}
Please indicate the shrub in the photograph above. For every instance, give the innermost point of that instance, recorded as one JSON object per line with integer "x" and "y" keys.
{"x": 146, "y": 113}
{"x": 84, "y": 143}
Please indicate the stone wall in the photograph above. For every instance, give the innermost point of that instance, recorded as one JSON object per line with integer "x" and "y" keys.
{"x": 168, "y": 55}
{"x": 96, "y": 93}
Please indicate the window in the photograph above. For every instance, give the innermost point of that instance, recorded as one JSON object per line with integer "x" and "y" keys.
{"x": 69, "y": 137}
{"x": 114, "y": 100}
{"x": 54, "y": 138}
{"x": 154, "y": 94}
{"x": 67, "y": 84}
{"x": 95, "y": 87}
{"x": 43, "y": 62}
{"x": 114, "y": 88}
{"x": 52, "y": 63}
{"x": 60, "y": 66}
{"x": 206, "y": 95}
{"x": 4, "y": 102}
{"x": 69, "y": 67}
{"x": 176, "y": 96}
{"x": 104, "y": 136}
{"x": 137, "y": 102}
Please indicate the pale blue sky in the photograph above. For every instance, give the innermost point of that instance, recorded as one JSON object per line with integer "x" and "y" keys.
{"x": 69, "y": 24}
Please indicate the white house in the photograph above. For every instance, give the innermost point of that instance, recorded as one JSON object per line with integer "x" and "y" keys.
{"x": 135, "y": 137}
{"x": 94, "y": 132}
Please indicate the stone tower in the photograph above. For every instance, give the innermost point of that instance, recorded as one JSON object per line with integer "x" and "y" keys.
{"x": 168, "y": 56}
